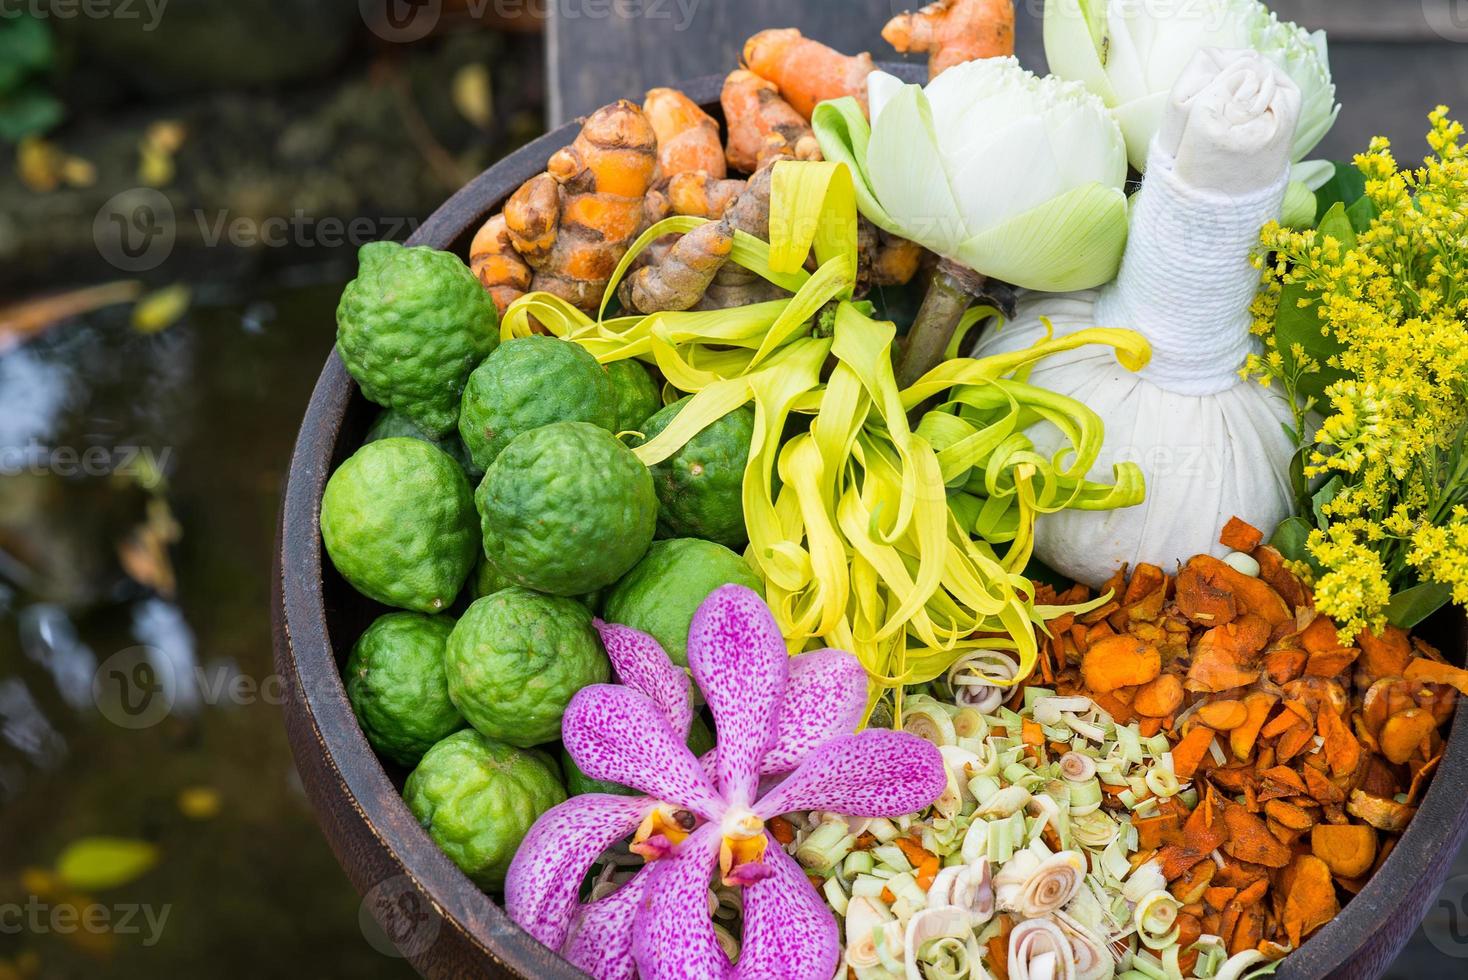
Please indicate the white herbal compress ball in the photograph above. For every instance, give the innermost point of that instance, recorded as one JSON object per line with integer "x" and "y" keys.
{"x": 1212, "y": 446}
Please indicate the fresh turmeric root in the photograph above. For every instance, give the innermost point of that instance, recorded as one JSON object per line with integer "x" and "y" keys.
{"x": 679, "y": 278}
{"x": 954, "y": 31}
{"x": 492, "y": 257}
{"x": 702, "y": 196}
{"x": 762, "y": 125}
{"x": 573, "y": 223}
{"x": 688, "y": 137}
{"x": 807, "y": 72}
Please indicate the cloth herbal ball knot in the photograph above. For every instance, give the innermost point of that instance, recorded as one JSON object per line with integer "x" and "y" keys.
{"x": 1211, "y": 445}
{"x": 775, "y": 716}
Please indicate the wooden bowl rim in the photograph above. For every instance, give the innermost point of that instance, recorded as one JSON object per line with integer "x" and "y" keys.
{"x": 305, "y": 651}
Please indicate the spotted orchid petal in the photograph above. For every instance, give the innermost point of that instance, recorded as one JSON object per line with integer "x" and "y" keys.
{"x": 642, "y": 664}
{"x": 788, "y": 931}
{"x": 545, "y": 875}
{"x": 875, "y": 773}
{"x": 825, "y": 696}
{"x": 673, "y": 937}
{"x": 620, "y": 735}
{"x": 600, "y": 939}
{"x": 739, "y": 660}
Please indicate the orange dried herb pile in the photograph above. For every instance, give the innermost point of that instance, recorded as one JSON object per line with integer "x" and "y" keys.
{"x": 1309, "y": 757}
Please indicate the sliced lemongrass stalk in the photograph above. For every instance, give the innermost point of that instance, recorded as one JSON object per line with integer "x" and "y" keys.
{"x": 975, "y": 842}
{"x": 969, "y": 723}
{"x": 905, "y": 886}
{"x": 889, "y": 946}
{"x": 868, "y": 886}
{"x": 836, "y": 896}
{"x": 727, "y": 941}
{"x": 857, "y": 863}
{"x": 1148, "y": 966}
{"x": 1077, "y": 767}
{"x": 865, "y": 917}
{"x": 1080, "y": 726}
{"x": 1171, "y": 962}
{"x": 1050, "y": 709}
{"x": 929, "y": 720}
{"x": 1156, "y": 920}
{"x": 1162, "y": 782}
{"x": 825, "y": 847}
{"x": 884, "y": 830}
{"x": 891, "y": 856}
{"x": 1009, "y": 800}
{"x": 1146, "y": 879}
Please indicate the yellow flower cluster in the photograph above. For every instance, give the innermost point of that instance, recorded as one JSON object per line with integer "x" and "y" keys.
{"x": 1392, "y": 306}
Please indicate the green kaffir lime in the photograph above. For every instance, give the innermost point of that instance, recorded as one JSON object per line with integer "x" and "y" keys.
{"x": 516, "y": 659}
{"x": 566, "y": 509}
{"x": 478, "y": 798}
{"x": 392, "y": 423}
{"x": 396, "y": 683}
{"x": 637, "y": 394}
{"x": 530, "y": 382}
{"x": 411, "y": 327}
{"x": 661, "y": 594}
{"x": 398, "y": 522}
{"x": 701, "y": 486}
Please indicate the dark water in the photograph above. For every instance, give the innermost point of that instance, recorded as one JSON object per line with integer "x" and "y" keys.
{"x": 210, "y": 405}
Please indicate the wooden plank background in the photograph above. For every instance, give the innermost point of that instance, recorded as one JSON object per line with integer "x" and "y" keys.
{"x": 1393, "y": 60}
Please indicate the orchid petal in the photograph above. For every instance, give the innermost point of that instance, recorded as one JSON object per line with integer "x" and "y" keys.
{"x": 825, "y": 696}
{"x": 600, "y": 940}
{"x": 788, "y": 931}
{"x": 545, "y": 875}
{"x": 642, "y": 664}
{"x": 739, "y": 660}
{"x": 673, "y": 937}
{"x": 620, "y": 735}
{"x": 875, "y": 773}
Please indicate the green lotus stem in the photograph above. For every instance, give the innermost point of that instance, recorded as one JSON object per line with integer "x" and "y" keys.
{"x": 950, "y": 292}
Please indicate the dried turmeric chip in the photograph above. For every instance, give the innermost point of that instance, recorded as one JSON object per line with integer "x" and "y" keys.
{"x": 1147, "y": 580}
{"x": 1342, "y": 751}
{"x": 1223, "y": 716}
{"x": 1272, "y": 570}
{"x": 1404, "y": 733}
{"x": 1242, "y": 739}
{"x": 1240, "y": 535}
{"x": 1320, "y": 635}
{"x": 1321, "y": 789}
{"x": 1250, "y": 840}
{"x": 1119, "y": 661}
{"x": 1310, "y": 900}
{"x": 1188, "y": 754}
{"x": 1286, "y": 664}
{"x": 1159, "y": 697}
{"x": 1288, "y": 815}
{"x": 1384, "y": 654}
{"x": 1435, "y": 673}
{"x": 1331, "y": 663}
{"x": 1247, "y": 594}
{"x": 1381, "y": 813}
{"x": 1347, "y": 849}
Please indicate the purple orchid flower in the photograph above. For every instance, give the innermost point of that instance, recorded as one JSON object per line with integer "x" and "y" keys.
{"x": 774, "y": 715}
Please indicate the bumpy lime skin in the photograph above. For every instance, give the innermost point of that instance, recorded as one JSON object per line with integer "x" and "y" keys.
{"x": 527, "y": 383}
{"x": 661, "y": 594}
{"x": 478, "y": 798}
{"x": 701, "y": 486}
{"x": 411, "y": 327}
{"x": 391, "y": 423}
{"x": 637, "y": 394}
{"x": 566, "y": 509}
{"x": 397, "y": 685}
{"x": 516, "y": 659}
{"x": 398, "y": 522}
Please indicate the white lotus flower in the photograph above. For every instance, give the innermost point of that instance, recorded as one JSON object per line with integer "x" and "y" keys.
{"x": 1014, "y": 176}
{"x": 1132, "y": 52}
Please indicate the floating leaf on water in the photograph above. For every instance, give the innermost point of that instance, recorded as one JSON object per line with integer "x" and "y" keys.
{"x": 100, "y": 863}
{"x": 29, "y": 317}
{"x": 144, "y": 552}
{"x": 158, "y": 311}
{"x": 200, "y": 802}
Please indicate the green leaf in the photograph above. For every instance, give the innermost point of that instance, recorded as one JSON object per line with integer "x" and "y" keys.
{"x": 1296, "y": 324}
{"x": 28, "y": 112}
{"x": 1337, "y": 225}
{"x": 1411, "y": 606}
{"x": 1346, "y": 187}
{"x": 1324, "y": 496}
{"x": 1290, "y": 538}
{"x": 100, "y": 863}
{"x": 1362, "y": 213}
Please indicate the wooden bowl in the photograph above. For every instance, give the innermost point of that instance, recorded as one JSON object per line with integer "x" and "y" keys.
{"x": 444, "y": 924}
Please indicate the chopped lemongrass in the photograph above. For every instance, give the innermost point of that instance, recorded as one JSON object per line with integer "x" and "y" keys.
{"x": 857, "y": 863}
{"x": 825, "y": 847}
{"x": 892, "y": 857}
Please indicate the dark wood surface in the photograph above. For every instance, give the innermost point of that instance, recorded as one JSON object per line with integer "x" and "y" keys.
{"x": 1393, "y": 60}
{"x": 444, "y": 924}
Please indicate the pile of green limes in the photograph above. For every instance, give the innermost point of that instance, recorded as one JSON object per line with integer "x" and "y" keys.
{"x": 497, "y": 508}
